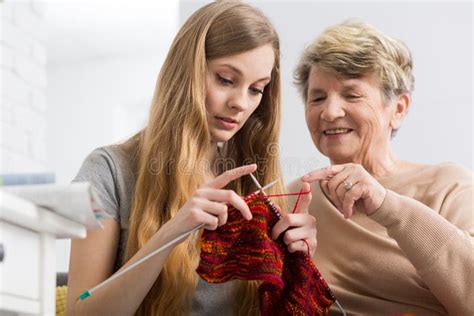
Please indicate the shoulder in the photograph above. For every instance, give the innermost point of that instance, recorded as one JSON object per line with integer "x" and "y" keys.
{"x": 107, "y": 159}
{"x": 444, "y": 175}
{"x": 440, "y": 175}
{"x": 452, "y": 172}
{"x": 110, "y": 171}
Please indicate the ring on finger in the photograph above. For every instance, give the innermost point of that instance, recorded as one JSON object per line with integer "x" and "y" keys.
{"x": 348, "y": 185}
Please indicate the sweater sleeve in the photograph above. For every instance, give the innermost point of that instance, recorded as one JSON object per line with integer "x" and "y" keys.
{"x": 441, "y": 251}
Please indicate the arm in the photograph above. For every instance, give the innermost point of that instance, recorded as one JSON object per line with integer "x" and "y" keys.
{"x": 441, "y": 253}
{"x": 92, "y": 259}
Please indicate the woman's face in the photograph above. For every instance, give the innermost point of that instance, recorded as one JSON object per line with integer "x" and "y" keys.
{"x": 235, "y": 86}
{"x": 347, "y": 118}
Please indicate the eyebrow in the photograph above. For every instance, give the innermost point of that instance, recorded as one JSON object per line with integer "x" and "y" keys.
{"x": 238, "y": 71}
{"x": 345, "y": 87}
{"x": 315, "y": 91}
{"x": 351, "y": 86}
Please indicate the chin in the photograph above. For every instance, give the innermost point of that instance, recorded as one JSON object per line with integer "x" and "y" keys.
{"x": 221, "y": 137}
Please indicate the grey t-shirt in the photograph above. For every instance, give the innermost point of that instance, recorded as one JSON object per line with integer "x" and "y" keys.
{"x": 109, "y": 171}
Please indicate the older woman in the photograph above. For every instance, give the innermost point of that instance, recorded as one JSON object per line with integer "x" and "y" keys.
{"x": 405, "y": 241}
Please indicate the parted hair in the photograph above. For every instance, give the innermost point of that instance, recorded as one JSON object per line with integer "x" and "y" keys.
{"x": 176, "y": 139}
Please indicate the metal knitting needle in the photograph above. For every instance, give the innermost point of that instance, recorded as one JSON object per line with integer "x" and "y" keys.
{"x": 265, "y": 187}
{"x": 262, "y": 190}
{"x": 88, "y": 293}
{"x": 259, "y": 186}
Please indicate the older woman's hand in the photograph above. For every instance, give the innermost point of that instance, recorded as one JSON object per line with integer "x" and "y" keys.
{"x": 298, "y": 228}
{"x": 350, "y": 187}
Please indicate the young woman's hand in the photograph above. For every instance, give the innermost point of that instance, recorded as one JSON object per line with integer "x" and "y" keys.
{"x": 208, "y": 205}
{"x": 298, "y": 228}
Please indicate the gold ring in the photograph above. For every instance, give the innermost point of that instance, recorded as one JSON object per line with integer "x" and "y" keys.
{"x": 348, "y": 185}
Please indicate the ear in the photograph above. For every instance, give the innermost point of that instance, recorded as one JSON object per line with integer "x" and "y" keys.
{"x": 402, "y": 105}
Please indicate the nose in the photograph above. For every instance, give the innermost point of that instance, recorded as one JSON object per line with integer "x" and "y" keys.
{"x": 239, "y": 100}
{"x": 332, "y": 109}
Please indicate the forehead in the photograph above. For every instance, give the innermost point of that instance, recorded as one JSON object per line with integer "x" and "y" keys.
{"x": 256, "y": 63}
{"x": 323, "y": 79}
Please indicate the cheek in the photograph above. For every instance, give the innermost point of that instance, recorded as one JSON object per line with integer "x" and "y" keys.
{"x": 213, "y": 99}
{"x": 252, "y": 108}
{"x": 312, "y": 119}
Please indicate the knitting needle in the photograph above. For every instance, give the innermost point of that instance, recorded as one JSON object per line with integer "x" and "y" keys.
{"x": 265, "y": 187}
{"x": 88, "y": 293}
{"x": 259, "y": 186}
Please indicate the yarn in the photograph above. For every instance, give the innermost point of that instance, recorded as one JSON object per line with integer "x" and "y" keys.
{"x": 240, "y": 249}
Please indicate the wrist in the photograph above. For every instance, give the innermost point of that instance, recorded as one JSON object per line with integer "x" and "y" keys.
{"x": 378, "y": 201}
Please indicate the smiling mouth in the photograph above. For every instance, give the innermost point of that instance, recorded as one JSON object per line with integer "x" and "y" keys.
{"x": 337, "y": 131}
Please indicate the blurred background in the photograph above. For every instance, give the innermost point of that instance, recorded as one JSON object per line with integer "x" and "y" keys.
{"x": 76, "y": 75}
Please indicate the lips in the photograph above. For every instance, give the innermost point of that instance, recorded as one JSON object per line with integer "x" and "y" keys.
{"x": 226, "y": 123}
{"x": 337, "y": 131}
{"x": 226, "y": 119}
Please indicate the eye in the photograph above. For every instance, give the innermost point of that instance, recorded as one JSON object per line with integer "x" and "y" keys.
{"x": 224, "y": 81}
{"x": 316, "y": 100}
{"x": 256, "y": 91}
{"x": 353, "y": 97}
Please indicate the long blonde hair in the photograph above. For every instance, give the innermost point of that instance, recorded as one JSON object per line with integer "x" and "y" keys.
{"x": 169, "y": 150}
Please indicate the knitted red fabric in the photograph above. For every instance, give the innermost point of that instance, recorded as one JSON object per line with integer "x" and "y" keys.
{"x": 241, "y": 249}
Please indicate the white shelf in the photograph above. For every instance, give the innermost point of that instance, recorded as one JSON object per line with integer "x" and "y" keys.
{"x": 27, "y": 270}
{"x": 25, "y": 214}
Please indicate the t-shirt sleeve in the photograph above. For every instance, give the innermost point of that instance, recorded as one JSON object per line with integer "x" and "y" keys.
{"x": 100, "y": 171}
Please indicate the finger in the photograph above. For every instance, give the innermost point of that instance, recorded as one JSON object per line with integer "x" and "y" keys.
{"x": 299, "y": 245}
{"x": 340, "y": 194}
{"x": 278, "y": 208}
{"x": 292, "y": 220}
{"x": 335, "y": 187}
{"x": 298, "y": 233}
{"x": 210, "y": 222}
{"x": 304, "y": 199}
{"x": 321, "y": 174}
{"x": 324, "y": 187}
{"x": 216, "y": 209}
{"x": 230, "y": 175}
{"x": 351, "y": 197}
{"x": 227, "y": 196}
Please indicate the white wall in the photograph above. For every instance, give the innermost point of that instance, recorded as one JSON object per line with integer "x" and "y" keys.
{"x": 94, "y": 103}
{"x": 439, "y": 35}
{"x": 22, "y": 87}
{"x": 105, "y": 58}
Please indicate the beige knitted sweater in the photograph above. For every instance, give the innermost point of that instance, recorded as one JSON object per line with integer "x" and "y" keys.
{"x": 415, "y": 254}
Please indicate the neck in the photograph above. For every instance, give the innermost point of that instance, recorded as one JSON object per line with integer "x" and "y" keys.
{"x": 379, "y": 164}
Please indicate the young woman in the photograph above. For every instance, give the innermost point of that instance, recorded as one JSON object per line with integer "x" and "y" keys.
{"x": 219, "y": 84}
